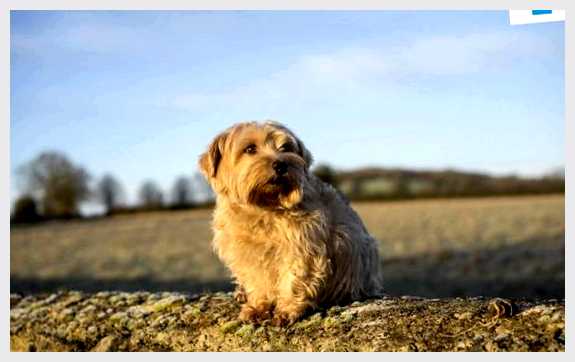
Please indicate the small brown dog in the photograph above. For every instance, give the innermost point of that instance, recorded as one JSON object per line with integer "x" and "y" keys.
{"x": 290, "y": 240}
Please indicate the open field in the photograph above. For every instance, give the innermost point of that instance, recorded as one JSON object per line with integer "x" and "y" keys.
{"x": 510, "y": 246}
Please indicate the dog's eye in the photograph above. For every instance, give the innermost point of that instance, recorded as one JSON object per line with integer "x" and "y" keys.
{"x": 251, "y": 149}
{"x": 286, "y": 147}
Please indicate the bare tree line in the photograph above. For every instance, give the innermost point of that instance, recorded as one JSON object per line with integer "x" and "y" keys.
{"x": 55, "y": 187}
{"x": 401, "y": 184}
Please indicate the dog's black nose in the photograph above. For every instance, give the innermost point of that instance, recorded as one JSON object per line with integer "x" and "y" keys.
{"x": 280, "y": 167}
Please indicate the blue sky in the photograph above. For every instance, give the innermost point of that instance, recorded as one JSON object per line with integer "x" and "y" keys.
{"x": 141, "y": 94}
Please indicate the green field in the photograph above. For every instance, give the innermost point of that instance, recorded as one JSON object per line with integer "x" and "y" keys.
{"x": 512, "y": 246}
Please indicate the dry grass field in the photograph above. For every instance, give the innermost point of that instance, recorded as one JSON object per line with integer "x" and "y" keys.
{"x": 512, "y": 246}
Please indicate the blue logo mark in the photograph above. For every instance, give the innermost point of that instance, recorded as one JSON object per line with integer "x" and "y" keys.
{"x": 541, "y": 12}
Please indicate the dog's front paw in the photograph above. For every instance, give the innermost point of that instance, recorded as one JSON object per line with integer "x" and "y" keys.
{"x": 284, "y": 319}
{"x": 255, "y": 315}
{"x": 240, "y": 295}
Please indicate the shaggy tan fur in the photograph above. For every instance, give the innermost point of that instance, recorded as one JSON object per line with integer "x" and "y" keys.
{"x": 290, "y": 240}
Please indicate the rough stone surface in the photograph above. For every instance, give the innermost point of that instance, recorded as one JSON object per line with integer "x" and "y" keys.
{"x": 141, "y": 321}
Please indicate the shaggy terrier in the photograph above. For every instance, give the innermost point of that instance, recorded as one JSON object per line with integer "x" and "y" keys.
{"x": 291, "y": 241}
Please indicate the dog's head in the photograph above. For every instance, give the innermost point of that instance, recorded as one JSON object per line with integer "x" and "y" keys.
{"x": 258, "y": 164}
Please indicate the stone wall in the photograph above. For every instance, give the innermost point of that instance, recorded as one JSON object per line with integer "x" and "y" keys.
{"x": 115, "y": 321}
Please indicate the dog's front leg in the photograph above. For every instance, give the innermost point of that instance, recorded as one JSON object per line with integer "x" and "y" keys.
{"x": 240, "y": 295}
{"x": 256, "y": 309}
{"x": 289, "y": 309}
{"x": 299, "y": 290}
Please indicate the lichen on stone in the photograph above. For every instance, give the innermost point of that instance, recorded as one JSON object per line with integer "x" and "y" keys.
{"x": 141, "y": 321}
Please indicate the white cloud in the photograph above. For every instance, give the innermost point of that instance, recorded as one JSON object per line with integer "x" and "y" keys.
{"x": 369, "y": 71}
{"x": 470, "y": 53}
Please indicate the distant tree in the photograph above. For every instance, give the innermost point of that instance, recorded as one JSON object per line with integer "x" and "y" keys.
{"x": 182, "y": 192}
{"x": 110, "y": 193}
{"x": 59, "y": 184}
{"x": 402, "y": 185}
{"x": 151, "y": 196}
{"x": 25, "y": 210}
{"x": 557, "y": 173}
{"x": 203, "y": 192}
{"x": 326, "y": 173}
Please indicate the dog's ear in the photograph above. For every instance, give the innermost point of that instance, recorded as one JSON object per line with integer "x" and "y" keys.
{"x": 304, "y": 153}
{"x": 210, "y": 160}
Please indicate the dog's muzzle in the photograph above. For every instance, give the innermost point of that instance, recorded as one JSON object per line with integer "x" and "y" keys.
{"x": 280, "y": 167}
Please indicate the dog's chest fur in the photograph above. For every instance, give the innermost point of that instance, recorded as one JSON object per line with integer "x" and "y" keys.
{"x": 272, "y": 243}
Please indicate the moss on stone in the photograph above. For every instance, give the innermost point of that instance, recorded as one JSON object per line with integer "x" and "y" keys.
{"x": 115, "y": 321}
{"x": 230, "y": 326}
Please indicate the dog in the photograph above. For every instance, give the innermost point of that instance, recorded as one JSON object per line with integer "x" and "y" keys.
{"x": 291, "y": 241}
